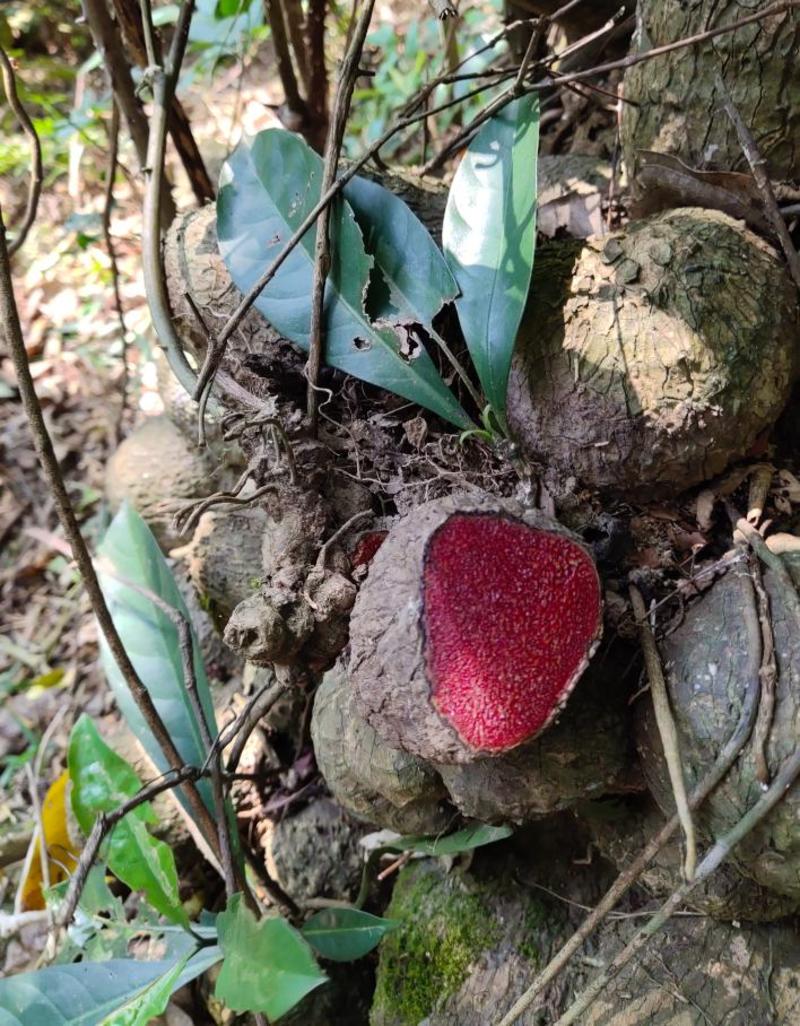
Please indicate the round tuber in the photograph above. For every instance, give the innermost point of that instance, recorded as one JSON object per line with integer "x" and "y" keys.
{"x": 651, "y": 358}
{"x": 474, "y": 624}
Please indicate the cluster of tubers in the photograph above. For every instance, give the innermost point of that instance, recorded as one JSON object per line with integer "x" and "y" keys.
{"x": 461, "y": 662}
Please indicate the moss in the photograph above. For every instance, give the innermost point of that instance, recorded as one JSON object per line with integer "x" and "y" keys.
{"x": 444, "y": 929}
{"x": 448, "y": 922}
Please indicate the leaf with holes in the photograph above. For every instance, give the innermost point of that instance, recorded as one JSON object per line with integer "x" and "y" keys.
{"x": 267, "y": 189}
{"x": 489, "y": 239}
{"x": 343, "y": 934}
{"x": 411, "y": 279}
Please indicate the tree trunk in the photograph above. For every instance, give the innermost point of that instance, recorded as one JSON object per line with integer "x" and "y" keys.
{"x": 674, "y": 103}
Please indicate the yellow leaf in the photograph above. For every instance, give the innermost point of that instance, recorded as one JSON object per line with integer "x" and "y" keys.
{"x": 61, "y": 849}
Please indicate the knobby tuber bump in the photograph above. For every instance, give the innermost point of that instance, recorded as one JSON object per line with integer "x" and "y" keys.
{"x": 708, "y": 664}
{"x": 651, "y": 358}
{"x": 366, "y": 775}
{"x": 474, "y": 624}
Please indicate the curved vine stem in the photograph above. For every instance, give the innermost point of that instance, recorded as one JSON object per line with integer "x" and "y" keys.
{"x": 36, "y": 172}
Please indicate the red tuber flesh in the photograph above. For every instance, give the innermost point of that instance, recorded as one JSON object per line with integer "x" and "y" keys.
{"x": 474, "y": 624}
{"x": 510, "y": 614}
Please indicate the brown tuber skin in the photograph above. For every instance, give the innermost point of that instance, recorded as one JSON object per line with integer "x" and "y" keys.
{"x": 372, "y": 780}
{"x": 709, "y": 664}
{"x": 158, "y": 470}
{"x": 651, "y": 358}
{"x": 450, "y": 673}
{"x": 587, "y": 753}
{"x": 620, "y": 830}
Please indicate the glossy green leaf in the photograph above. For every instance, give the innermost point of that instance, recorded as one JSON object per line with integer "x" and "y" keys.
{"x": 101, "y": 782}
{"x": 489, "y": 239}
{"x": 343, "y": 934}
{"x": 87, "y": 993}
{"x": 453, "y": 844}
{"x": 151, "y": 640}
{"x": 268, "y": 967}
{"x": 414, "y": 281}
{"x": 267, "y": 189}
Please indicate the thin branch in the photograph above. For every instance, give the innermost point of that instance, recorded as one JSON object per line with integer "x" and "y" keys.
{"x": 758, "y": 166}
{"x": 348, "y": 74}
{"x": 164, "y": 81}
{"x": 246, "y": 722}
{"x": 666, "y": 728}
{"x": 105, "y": 822}
{"x": 283, "y": 58}
{"x": 186, "y": 645}
{"x": 11, "y": 333}
{"x": 36, "y": 173}
{"x": 786, "y": 776}
{"x": 108, "y": 206}
{"x": 109, "y": 43}
{"x": 769, "y": 677}
{"x": 318, "y": 73}
{"x": 628, "y": 877}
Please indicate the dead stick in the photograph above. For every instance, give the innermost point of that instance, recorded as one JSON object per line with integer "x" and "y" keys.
{"x": 712, "y": 861}
{"x": 628, "y": 877}
{"x": 322, "y": 257}
{"x": 769, "y": 676}
{"x": 666, "y": 728}
{"x": 11, "y": 333}
{"x": 758, "y": 166}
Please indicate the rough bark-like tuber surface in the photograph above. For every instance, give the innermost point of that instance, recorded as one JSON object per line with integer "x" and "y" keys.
{"x": 472, "y": 627}
{"x": 620, "y": 829}
{"x": 158, "y": 470}
{"x": 369, "y": 778}
{"x": 675, "y": 108}
{"x": 651, "y": 358}
{"x": 588, "y": 752}
{"x": 706, "y": 660}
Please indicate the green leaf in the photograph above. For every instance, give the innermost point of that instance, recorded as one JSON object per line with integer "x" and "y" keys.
{"x": 489, "y": 239}
{"x": 268, "y": 967}
{"x": 414, "y": 279}
{"x": 267, "y": 189}
{"x": 151, "y": 640}
{"x": 152, "y": 1001}
{"x": 87, "y": 993}
{"x": 101, "y": 782}
{"x": 342, "y": 934}
{"x": 453, "y": 844}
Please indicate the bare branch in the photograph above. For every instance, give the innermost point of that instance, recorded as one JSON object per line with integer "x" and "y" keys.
{"x": 11, "y": 334}
{"x": 348, "y": 74}
{"x": 36, "y": 173}
{"x": 666, "y": 728}
{"x": 786, "y": 776}
{"x": 758, "y": 167}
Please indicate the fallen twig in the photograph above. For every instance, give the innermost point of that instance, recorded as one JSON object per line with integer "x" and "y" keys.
{"x": 628, "y": 877}
{"x": 666, "y": 728}
{"x": 758, "y": 167}
{"x": 714, "y": 858}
